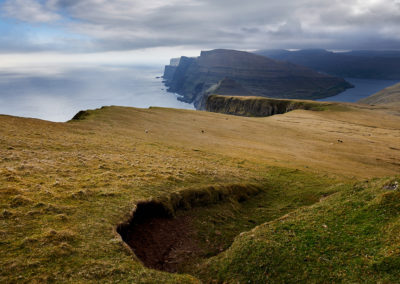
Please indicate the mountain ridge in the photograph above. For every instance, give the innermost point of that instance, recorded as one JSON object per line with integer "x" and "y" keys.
{"x": 260, "y": 75}
{"x": 366, "y": 64}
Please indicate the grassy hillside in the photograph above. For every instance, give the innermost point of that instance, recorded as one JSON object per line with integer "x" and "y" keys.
{"x": 351, "y": 236}
{"x": 65, "y": 187}
{"x": 390, "y": 95}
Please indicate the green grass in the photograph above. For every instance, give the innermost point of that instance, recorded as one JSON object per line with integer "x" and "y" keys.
{"x": 351, "y": 236}
{"x": 282, "y": 191}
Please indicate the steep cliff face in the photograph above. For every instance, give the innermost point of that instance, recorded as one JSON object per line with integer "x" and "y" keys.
{"x": 170, "y": 69}
{"x": 256, "y": 106}
{"x": 257, "y": 74}
{"x": 179, "y": 77}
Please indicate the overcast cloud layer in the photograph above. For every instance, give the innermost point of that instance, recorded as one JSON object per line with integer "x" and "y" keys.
{"x": 115, "y": 25}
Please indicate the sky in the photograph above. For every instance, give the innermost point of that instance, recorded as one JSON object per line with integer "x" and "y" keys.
{"x": 60, "y": 56}
{"x": 155, "y": 30}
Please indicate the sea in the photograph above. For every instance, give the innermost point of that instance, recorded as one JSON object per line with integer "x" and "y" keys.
{"x": 58, "y": 94}
{"x": 362, "y": 88}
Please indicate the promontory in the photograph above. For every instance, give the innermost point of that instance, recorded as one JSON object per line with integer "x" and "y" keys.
{"x": 193, "y": 78}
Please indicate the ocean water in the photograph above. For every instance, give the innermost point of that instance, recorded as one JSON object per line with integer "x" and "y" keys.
{"x": 58, "y": 93}
{"x": 362, "y": 89}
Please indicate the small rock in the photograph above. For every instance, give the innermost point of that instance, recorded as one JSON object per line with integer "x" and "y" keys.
{"x": 392, "y": 186}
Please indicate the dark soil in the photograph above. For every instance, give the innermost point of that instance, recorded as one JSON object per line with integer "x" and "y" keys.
{"x": 164, "y": 243}
{"x": 161, "y": 242}
{"x": 162, "y": 233}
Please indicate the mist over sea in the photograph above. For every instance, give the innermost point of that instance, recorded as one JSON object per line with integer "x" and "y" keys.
{"x": 58, "y": 93}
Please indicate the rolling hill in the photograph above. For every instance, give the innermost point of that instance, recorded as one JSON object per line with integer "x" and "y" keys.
{"x": 308, "y": 195}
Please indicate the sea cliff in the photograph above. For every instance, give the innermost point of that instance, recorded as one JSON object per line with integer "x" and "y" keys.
{"x": 257, "y": 106}
{"x": 261, "y": 76}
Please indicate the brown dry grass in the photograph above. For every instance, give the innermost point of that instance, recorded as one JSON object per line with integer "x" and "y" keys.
{"x": 65, "y": 186}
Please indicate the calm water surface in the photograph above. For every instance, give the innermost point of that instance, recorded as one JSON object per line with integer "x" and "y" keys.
{"x": 57, "y": 95}
{"x": 362, "y": 88}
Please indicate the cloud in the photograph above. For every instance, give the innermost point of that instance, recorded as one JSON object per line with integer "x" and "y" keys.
{"x": 203, "y": 24}
{"x": 29, "y": 11}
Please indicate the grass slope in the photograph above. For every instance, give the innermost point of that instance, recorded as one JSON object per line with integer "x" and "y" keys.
{"x": 389, "y": 95}
{"x": 64, "y": 187}
{"x": 351, "y": 236}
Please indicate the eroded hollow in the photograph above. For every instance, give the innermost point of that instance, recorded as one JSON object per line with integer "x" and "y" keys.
{"x": 158, "y": 239}
{"x": 165, "y": 239}
{"x": 180, "y": 231}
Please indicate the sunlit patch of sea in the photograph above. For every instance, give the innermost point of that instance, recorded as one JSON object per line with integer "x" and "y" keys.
{"x": 58, "y": 93}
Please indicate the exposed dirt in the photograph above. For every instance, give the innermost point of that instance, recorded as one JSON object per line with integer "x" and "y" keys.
{"x": 161, "y": 234}
{"x": 164, "y": 243}
{"x": 160, "y": 241}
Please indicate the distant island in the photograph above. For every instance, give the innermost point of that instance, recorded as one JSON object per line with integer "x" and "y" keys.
{"x": 362, "y": 64}
{"x": 231, "y": 72}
